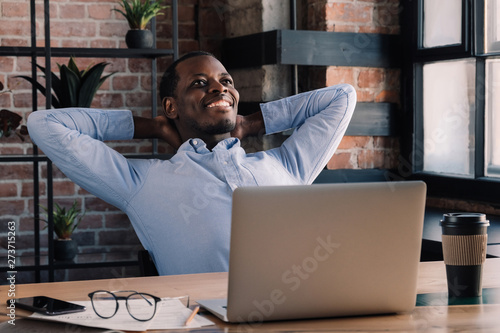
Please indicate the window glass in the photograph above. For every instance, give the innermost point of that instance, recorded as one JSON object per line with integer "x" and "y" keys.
{"x": 492, "y": 26}
{"x": 492, "y": 119}
{"x": 442, "y": 23}
{"x": 448, "y": 116}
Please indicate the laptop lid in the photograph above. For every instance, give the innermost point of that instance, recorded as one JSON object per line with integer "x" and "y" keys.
{"x": 324, "y": 250}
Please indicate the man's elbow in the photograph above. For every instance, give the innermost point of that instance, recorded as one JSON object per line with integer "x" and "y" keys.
{"x": 35, "y": 124}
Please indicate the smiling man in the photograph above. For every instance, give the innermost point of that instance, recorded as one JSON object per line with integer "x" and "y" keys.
{"x": 181, "y": 208}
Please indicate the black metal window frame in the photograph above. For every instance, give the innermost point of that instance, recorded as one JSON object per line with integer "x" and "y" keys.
{"x": 478, "y": 187}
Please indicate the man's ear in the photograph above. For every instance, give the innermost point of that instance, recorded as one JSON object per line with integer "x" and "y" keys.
{"x": 169, "y": 107}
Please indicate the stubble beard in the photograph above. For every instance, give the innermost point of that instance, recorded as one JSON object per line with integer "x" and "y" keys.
{"x": 222, "y": 127}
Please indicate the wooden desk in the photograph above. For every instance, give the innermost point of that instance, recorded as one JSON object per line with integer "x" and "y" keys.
{"x": 432, "y": 279}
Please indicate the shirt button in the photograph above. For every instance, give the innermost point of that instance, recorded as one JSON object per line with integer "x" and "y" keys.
{"x": 195, "y": 142}
{"x": 225, "y": 162}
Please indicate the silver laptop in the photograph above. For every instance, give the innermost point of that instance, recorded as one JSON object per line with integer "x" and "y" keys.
{"x": 323, "y": 250}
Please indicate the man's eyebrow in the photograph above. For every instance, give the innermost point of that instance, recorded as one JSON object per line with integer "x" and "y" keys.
{"x": 204, "y": 74}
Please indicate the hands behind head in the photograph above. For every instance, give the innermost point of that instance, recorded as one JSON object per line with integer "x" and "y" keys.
{"x": 167, "y": 131}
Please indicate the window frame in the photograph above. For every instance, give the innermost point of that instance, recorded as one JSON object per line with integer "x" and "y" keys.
{"x": 479, "y": 187}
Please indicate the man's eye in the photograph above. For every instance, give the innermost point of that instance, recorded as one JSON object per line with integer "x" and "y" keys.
{"x": 199, "y": 83}
{"x": 227, "y": 81}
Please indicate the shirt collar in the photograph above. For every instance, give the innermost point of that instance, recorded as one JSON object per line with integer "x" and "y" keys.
{"x": 199, "y": 146}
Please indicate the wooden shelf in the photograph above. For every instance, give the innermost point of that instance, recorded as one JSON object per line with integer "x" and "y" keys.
{"x": 312, "y": 48}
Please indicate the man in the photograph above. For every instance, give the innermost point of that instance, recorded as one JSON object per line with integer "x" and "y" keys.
{"x": 181, "y": 208}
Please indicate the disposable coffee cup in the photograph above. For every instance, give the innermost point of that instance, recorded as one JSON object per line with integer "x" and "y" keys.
{"x": 464, "y": 239}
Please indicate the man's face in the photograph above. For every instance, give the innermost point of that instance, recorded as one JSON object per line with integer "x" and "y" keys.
{"x": 206, "y": 100}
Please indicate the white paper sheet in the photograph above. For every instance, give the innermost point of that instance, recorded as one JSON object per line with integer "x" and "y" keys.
{"x": 170, "y": 314}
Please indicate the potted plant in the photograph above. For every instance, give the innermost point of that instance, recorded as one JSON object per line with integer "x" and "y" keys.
{"x": 138, "y": 14}
{"x": 75, "y": 87}
{"x": 65, "y": 223}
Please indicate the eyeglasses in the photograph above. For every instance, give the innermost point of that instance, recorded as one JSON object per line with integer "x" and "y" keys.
{"x": 140, "y": 306}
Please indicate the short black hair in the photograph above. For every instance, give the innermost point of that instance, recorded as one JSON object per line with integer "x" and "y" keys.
{"x": 170, "y": 78}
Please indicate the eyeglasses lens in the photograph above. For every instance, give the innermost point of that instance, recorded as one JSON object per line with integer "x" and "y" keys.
{"x": 104, "y": 304}
{"x": 141, "y": 306}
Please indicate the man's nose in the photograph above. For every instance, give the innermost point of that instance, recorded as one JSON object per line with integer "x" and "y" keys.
{"x": 216, "y": 86}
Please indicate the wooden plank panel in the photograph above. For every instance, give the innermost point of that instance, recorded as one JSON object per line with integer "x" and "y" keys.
{"x": 339, "y": 49}
{"x": 312, "y": 48}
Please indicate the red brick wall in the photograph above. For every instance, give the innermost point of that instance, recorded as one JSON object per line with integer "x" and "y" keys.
{"x": 372, "y": 84}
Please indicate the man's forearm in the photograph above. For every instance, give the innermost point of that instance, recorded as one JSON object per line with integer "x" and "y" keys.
{"x": 254, "y": 124}
{"x": 145, "y": 128}
{"x": 156, "y": 128}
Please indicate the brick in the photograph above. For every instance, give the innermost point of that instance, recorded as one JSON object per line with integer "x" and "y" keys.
{"x": 340, "y": 161}
{"x": 74, "y": 43}
{"x": 63, "y": 188}
{"x": 74, "y": 29}
{"x": 118, "y": 220}
{"x": 139, "y": 66}
{"x": 118, "y": 237}
{"x": 71, "y": 11}
{"x": 368, "y": 159}
{"x": 12, "y": 207}
{"x": 137, "y": 99}
{"x": 15, "y": 9}
{"x": 7, "y": 64}
{"x": 91, "y": 221}
{"x": 186, "y": 13}
{"x": 349, "y": 142}
{"x": 108, "y": 100}
{"x": 146, "y": 82}
{"x": 210, "y": 23}
{"x": 336, "y": 75}
{"x": 348, "y": 12}
{"x": 125, "y": 82}
{"x": 187, "y": 31}
{"x": 112, "y": 29}
{"x": 365, "y": 95}
{"x": 84, "y": 238}
{"x": 16, "y": 171}
{"x": 22, "y": 100}
{"x": 371, "y": 78}
{"x": 8, "y": 190}
{"x": 27, "y": 224}
{"x": 97, "y": 205}
{"x": 100, "y": 11}
{"x": 104, "y": 43}
{"x": 11, "y": 150}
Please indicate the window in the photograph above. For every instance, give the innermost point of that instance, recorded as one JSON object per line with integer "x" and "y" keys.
{"x": 452, "y": 86}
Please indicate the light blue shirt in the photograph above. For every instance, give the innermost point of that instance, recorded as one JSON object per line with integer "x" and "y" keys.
{"x": 181, "y": 208}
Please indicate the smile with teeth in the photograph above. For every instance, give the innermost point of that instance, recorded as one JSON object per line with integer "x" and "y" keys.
{"x": 219, "y": 103}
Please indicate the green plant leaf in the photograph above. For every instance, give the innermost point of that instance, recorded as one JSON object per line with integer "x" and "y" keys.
{"x": 138, "y": 14}
{"x": 91, "y": 81}
{"x": 65, "y": 222}
{"x": 74, "y": 68}
{"x": 70, "y": 87}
